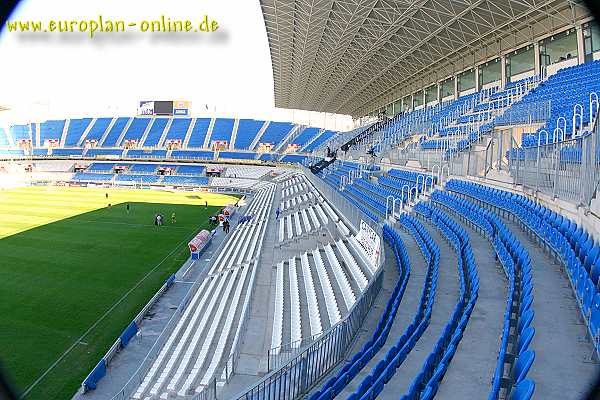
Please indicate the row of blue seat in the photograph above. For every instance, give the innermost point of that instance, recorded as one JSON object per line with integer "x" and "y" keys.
{"x": 573, "y": 245}
{"x": 426, "y": 383}
{"x": 373, "y": 384}
{"x": 194, "y": 170}
{"x": 370, "y": 349}
{"x": 517, "y": 267}
{"x": 334, "y": 181}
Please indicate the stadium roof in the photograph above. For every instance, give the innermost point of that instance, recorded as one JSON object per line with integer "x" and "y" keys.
{"x": 348, "y": 56}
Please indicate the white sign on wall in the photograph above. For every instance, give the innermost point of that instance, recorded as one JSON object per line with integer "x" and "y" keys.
{"x": 370, "y": 242}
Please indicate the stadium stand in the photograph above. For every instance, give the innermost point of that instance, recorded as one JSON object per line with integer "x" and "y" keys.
{"x": 192, "y": 154}
{"x": 222, "y": 129}
{"x": 492, "y": 282}
{"x": 138, "y": 153}
{"x": 51, "y": 130}
{"x": 276, "y": 132}
{"x": 110, "y": 138}
{"x": 98, "y": 129}
{"x": 76, "y": 129}
{"x": 199, "y": 132}
{"x": 250, "y": 172}
{"x": 237, "y": 155}
{"x": 186, "y": 364}
{"x": 247, "y": 131}
{"x": 155, "y": 133}
{"x": 192, "y": 170}
{"x": 178, "y": 129}
{"x": 135, "y": 130}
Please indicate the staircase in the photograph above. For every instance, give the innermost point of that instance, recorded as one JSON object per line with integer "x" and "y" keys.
{"x": 209, "y": 133}
{"x": 163, "y": 137}
{"x": 293, "y": 133}
{"x": 105, "y": 134}
{"x": 145, "y": 135}
{"x": 236, "y": 124}
{"x": 188, "y": 134}
{"x": 64, "y": 133}
{"x": 259, "y": 135}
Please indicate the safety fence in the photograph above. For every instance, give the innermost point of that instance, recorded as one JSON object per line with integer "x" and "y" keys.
{"x": 296, "y": 376}
{"x": 99, "y": 371}
{"x": 136, "y": 379}
{"x": 345, "y": 207}
{"x": 567, "y": 169}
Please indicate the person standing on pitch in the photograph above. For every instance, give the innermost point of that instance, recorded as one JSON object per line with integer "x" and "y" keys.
{"x": 173, "y": 220}
{"x": 127, "y": 207}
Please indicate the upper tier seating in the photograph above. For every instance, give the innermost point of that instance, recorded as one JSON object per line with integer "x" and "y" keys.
{"x": 156, "y": 131}
{"x": 98, "y": 128}
{"x": 246, "y": 132}
{"x": 99, "y": 151}
{"x": 178, "y": 129}
{"x": 306, "y": 135}
{"x": 136, "y": 129}
{"x": 115, "y": 132}
{"x": 137, "y": 153}
{"x": 199, "y": 132}
{"x": 192, "y": 154}
{"x": 51, "y": 130}
{"x": 237, "y": 155}
{"x": 3, "y": 138}
{"x": 563, "y": 91}
{"x": 20, "y": 132}
{"x": 319, "y": 140}
{"x": 75, "y": 130}
{"x": 276, "y": 132}
{"x": 222, "y": 129}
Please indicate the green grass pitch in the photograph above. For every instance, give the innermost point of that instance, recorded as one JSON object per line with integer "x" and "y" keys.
{"x": 66, "y": 258}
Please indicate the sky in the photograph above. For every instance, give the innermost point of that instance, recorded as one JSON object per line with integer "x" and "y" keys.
{"x": 224, "y": 73}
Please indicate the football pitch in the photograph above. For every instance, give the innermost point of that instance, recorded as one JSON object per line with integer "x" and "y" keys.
{"x": 71, "y": 264}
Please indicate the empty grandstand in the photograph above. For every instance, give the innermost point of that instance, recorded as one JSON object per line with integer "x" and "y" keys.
{"x": 446, "y": 246}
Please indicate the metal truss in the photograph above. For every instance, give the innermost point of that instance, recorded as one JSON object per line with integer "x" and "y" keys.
{"x": 348, "y": 56}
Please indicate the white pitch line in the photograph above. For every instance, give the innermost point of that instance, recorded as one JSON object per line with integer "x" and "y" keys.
{"x": 78, "y": 340}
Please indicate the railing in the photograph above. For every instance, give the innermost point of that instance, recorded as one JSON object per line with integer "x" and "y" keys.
{"x": 472, "y": 162}
{"x": 209, "y": 392}
{"x": 136, "y": 379}
{"x": 298, "y": 375}
{"x": 347, "y": 209}
{"x": 568, "y": 169}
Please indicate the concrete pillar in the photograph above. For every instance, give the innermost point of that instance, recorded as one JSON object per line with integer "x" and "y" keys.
{"x": 455, "y": 87}
{"x": 503, "y": 70}
{"x": 536, "y": 61}
{"x": 477, "y": 85}
{"x": 580, "y": 44}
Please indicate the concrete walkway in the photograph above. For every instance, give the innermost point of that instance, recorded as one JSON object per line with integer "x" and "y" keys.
{"x": 124, "y": 365}
{"x": 564, "y": 366}
{"x": 445, "y": 301}
{"x": 472, "y": 368}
